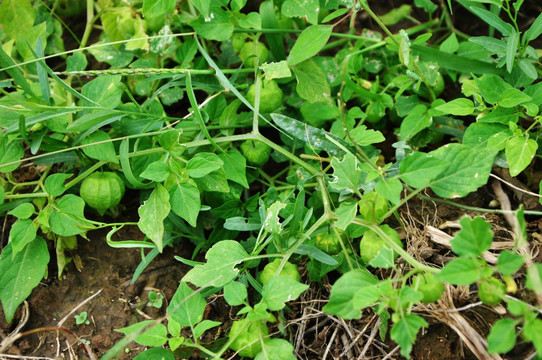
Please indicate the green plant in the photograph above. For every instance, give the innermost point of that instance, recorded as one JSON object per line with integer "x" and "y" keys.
{"x": 82, "y": 319}
{"x": 321, "y": 109}
{"x": 155, "y": 299}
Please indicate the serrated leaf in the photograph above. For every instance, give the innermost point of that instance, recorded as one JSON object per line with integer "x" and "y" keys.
{"x": 508, "y": 262}
{"x": 460, "y": 271}
{"x": 220, "y": 267}
{"x": 519, "y": 151}
{"x": 309, "y": 43}
{"x": 404, "y": 332}
{"x": 186, "y": 202}
{"x": 474, "y": 238}
{"x": 466, "y": 172}
{"x": 152, "y": 214}
{"x": 281, "y": 289}
{"x": 153, "y": 336}
{"x": 186, "y": 306}
{"x": 235, "y": 166}
{"x": 419, "y": 169}
{"x": 103, "y": 151}
{"x": 342, "y": 301}
{"x": 502, "y": 336}
{"x": 346, "y": 173}
{"x": 21, "y": 273}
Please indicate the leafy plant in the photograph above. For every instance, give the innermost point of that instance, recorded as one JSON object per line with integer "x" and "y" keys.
{"x": 263, "y": 137}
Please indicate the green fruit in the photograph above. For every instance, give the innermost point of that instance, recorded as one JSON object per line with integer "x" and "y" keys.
{"x": 373, "y": 207}
{"x": 371, "y": 244}
{"x": 256, "y": 153}
{"x": 270, "y": 96}
{"x": 269, "y": 271}
{"x": 491, "y": 291}
{"x": 438, "y": 88}
{"x": 246, "y": 337}
{"x": 253, "y": 53}
{"x": 238, "y": 41}
{"x": 328, "y": 243}
{"x": 430, "y": 287}
{"x": 102, "y": 190}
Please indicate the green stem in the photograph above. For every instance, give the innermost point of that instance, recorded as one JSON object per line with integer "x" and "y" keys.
{"x": 24, "y": 196}
{"x": 86, "y": 173}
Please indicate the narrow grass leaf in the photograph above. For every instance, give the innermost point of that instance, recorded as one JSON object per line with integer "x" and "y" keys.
{"x": 493, "y": 20}
{"x": 534, "y": 30}
{"x": 511, "y": 49}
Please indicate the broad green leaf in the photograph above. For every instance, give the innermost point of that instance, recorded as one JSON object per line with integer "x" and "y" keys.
{"x": 117, "y": 58}
{"x": 395, "y": 15}
{"x": 519, "y": 151}
{"x": 276, "y": 70}
{"x": 427, "y": 5}
{"x": 105, "y": 90}
{"x": 459, "y": 107}
{"x": 312, "y": 83}
{"x": 186, "y": 306}
{"x": 404, "y": 332}
{"x": 534, "y": 30}
{"x": 235, "y": 293}
{"x": 468, "y": 170}
{"x": 486, "y": 135}
{"x": 302, "y": 8}
{"x": 102, "y": 151}
{"x": 532, "y": 331}
{"x": 450, "y": 45}
{"x": 501, "y": 115}
{"x": 186, "y": 202}
{"x": 68, "y": 218}
{"x": 153, "y": 336}
{"x": 21, "y": 273}
{"x": 460, "y": 271}
{"x": 276, "y": 349}
{"x": 317, "y": 138}
{"x": 534, "y": 278}
{"x": 54, "y": 184}
{"x": 528, "y": 68}
{"x": 216, "y": 27}
{"x": 202, "y": 164}
{"x": 220, "y": 267}
{"x": 474, "y": 238}
{"x": 419, "y": 169}
{"x": 511, "y": 50}
{"x": 203, "y": 326}
{"x": 152, "y": 8}
{"x": 272, "y": 222}
{"x": 493, "y": 20}
{"x": 155, "y": 353}
{"x": 22, "y": 232}
{"x": 252, "y": 20}
{"x": 239, "y": 223}
{"x": 309, "y": 43}
{"x": 76, "y": 62}
{"x": 502, "y": 336}
{"x": 346, "y": 212}
{"x": 416, "y": 120}
{"x": 152, "y": 214}
{"x": 214, "y": 181}
{"x": 235, "y": 166}
{"x": 513, "y": 97}
{"x": 281, "y": 289}
{"x": 346, "y": 173}
{"x": 10, "y": 151}
{"x": 16, "y": 17}
{"x": 342, "y": 300}
{"x": 508, "y": 262}
{"x": 390, "y": 189}
{"x": 23, "y": 211}
{"x": 385, "y": 259}
{"x": 203, "y": 6}
{"x": 363, "y": 136}
{"x": 156, "y": 171}
{"x": 492, "y": 87}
